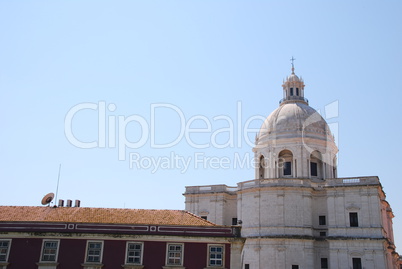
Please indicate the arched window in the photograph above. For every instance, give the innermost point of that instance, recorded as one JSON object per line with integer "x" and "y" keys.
{"x": 316, "y": 167}
{"x": 291, "y": 91}
{"x": 297, "y": 91}
{"x": 261, "y": 171}
{"x": 334, "y": 166}
{"x": 285, "y": 163}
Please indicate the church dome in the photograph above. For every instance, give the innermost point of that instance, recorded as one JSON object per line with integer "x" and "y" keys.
{"x": 295, "y": 140}
{"x": 294, "y": 120}
{"x": 293, "y": 78}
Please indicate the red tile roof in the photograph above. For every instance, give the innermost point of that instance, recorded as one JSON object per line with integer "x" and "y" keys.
{"x": 100, "y": 215}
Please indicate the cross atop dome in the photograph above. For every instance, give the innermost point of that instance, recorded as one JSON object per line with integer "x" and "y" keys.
{"x": 293, "y": 66}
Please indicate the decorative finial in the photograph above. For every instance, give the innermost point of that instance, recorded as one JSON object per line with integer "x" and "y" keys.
{"x": 293, "y": 66}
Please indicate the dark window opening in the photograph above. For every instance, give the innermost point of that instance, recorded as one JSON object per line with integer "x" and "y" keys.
{"x": 291, "y": 91}
{"x": 204, "y": 217}
{"x": 234, "y": 221}
{"x": 323, "y": 233}
{"x": 322, "y": 220}
{"x": 247, "y": 266}
{"x": 287, "y": 168}
{"x": 354, "y": 222}
{"x": 295, "y": 267}
{"x": 262, "y": 167}
{"x": 297, "y": 91}
{"x": 324, "y": 263}
{"x": 357, "y": 263}
{"x": 314, "y": 169}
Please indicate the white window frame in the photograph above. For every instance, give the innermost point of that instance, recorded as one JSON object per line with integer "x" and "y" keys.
{"x": 56, "y": 255}
{"x": 141, "y": 254}
{"x": 8, "y": 249}
{"x": 181, "y": 256}
{"x": 209, "y": 256}
{"x": 100, "y": 254}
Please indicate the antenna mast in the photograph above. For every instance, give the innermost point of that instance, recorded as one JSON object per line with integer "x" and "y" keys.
{"x": 58, "y": 180}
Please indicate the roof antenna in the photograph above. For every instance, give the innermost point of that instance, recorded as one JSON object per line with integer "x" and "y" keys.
{"x": 58, "y": 180}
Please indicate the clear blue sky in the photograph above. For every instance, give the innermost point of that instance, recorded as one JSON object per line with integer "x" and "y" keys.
{"x": 202, "y": 57}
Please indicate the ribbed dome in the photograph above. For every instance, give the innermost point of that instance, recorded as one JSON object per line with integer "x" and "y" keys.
{"x": 292, "y": 78}
{"x": 294, "y": 120}
{"x": 295, "y": 134}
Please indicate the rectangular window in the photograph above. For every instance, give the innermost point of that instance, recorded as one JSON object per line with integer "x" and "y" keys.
{"x": 134, "y": 253}
{"x": 295, "y": 267}
{"x": 94, "y": 251}
{"x": 313, "y": 169}
{"x": 322, "y": 220}
{"x": 287, "y": 168}
{"x": 175, "y": 254}
{"x": 234, "y": 221}
{"x": 247, "y": 266}
{"x": 323, "y": 233}
{"x": 215, "y": 256}
{"x": 357, "y": 263}
{"x": 204, "y": 217}
{"x": 324, "y": 263}
{"x": 49, "y": 250}
{"x": 354, "y": 222}
{"x": 4, "y": 248}
{"x": 291, "y": 91}
{"x": 297, "y": 91}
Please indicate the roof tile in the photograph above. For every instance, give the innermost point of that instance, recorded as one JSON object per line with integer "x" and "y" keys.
{"x": 100, "y": 215}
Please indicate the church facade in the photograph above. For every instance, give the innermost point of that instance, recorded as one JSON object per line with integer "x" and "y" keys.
{"x": 297, "y": 213}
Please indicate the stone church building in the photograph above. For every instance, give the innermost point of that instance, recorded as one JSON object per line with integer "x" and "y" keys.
{"x": 297, "y": 213}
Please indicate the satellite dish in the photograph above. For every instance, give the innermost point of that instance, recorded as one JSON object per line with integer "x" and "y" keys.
{"x": 47, "y": 198}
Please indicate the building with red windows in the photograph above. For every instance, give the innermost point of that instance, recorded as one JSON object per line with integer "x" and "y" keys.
{"x": 94, "y": 238}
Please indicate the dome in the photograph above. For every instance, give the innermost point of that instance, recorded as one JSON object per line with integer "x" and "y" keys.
{"x": 293, "y": 78}
{"x": 293, "y": 120}
{"x": 295, "y": 140}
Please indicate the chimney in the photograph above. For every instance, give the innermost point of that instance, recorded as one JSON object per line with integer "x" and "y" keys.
{"x": 69, "y": 203}
{"x": 77, "y": 203}
{"x": 61, "y": 203}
